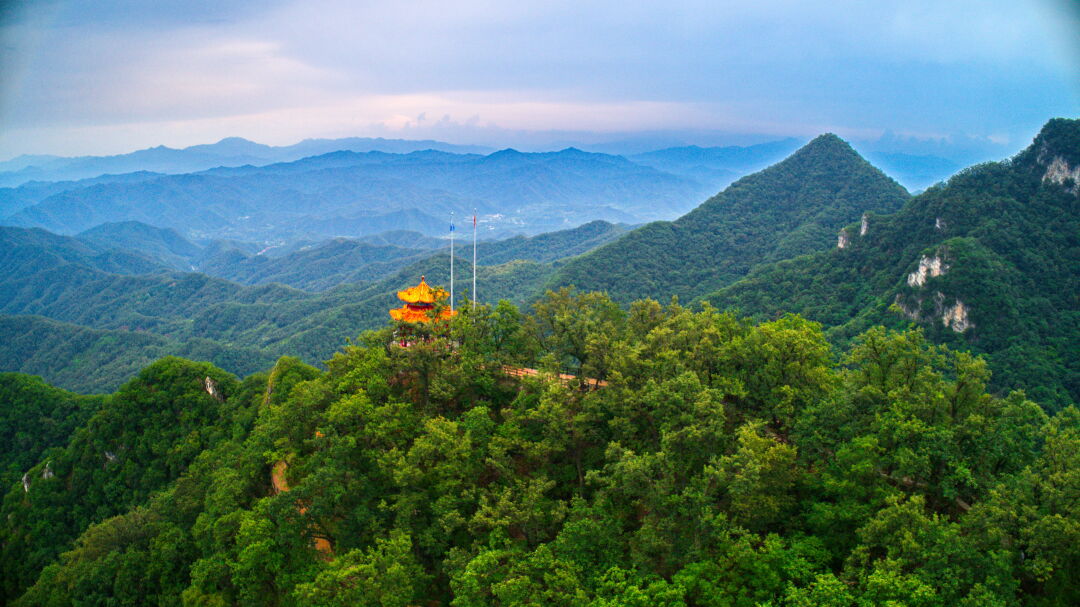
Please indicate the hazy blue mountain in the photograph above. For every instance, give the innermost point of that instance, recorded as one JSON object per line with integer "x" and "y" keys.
{"x": 313, "y": 147}
{"x": 356, "y": 194}
{"x": 158, "y": 159}
{"x": 15, "y": 199}
{"x": 231, "y": 151}
{"x": 717, "y": 166}
{"x": 25, "y": 160}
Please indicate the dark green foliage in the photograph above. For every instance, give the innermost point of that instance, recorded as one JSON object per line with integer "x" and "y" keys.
{"x": 1009, "y": 242}
{"x": 160, "y": 244}
{"x": 722, "y": 463}
{"x": 139, "y": 440}
{"x": 789, "y": 209}
{"x": 34, "y": 417}
{"x": 548, "y": 247}
{"x": 691, "y": 457}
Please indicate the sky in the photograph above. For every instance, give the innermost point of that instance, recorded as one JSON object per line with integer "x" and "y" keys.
{"x": 111, "y": 76}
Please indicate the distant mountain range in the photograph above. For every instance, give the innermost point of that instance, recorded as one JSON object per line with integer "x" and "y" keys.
{"x": 716, "y": 166}
{"x": 356, "y": 194}
{"x": 231, "y": 151}
{"x": 366, "y": 197}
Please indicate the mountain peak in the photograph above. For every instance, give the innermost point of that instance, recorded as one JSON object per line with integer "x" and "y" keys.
{"x": 789, "y": 209}
{"x": 828, "y": 142}
{"x": 1059, "y": 138}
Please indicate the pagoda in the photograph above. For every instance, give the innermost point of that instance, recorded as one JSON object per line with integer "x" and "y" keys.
{"x": 420, "y": 303}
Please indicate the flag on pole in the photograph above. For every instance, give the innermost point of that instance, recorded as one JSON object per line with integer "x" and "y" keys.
{"x": 474, "y": 259}
{"x": 451, "y": 261}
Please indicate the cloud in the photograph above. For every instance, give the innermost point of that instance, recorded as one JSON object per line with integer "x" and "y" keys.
{"x": 334, "y": 65}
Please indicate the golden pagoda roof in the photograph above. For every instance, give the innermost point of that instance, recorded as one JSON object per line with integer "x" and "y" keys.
{"x": 419, "y": 303}
{"x": 421, "y": 293}
{"x": 407, "y": 314}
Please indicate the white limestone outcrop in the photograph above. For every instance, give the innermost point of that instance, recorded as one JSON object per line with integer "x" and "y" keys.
{"x": 929, "y": 267}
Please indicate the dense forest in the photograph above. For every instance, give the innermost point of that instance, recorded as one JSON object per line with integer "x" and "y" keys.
{"x": 988, "y": 262}
{"x": 695, "y": 458}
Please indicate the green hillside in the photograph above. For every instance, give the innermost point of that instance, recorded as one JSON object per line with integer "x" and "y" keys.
{"x": 789, "y": 209}
{"x": 238, "y": 328}
{"x": 33, "y": 250}
{"x": 988, "y": 262}
{"x": 161, "y": 244}
{"x": 99, "y": 360}
{"x": 721, "y": 463}
{"x": 140, "y": 439}
{"x": 35, "y": 417}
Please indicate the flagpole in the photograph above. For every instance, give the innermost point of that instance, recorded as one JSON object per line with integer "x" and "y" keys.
{"x": 474, "y": 259}
{"x": 451, "y": 261}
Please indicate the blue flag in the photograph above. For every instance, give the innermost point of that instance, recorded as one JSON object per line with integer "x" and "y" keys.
{"x": 451, "y": 226}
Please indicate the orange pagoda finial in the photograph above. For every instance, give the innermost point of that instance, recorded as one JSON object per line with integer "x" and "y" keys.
{"x": 419, "y": 302}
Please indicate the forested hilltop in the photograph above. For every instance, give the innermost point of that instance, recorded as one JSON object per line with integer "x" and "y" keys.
{"x": 987, "y": 262}
{"x": 696, "y": 459}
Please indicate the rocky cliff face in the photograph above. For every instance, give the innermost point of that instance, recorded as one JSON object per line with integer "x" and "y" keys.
{"x": 954, "y": 316}
{"x": 929, "y": 267}
{"x": 843, "y": 240}
{"x": 1059, "y": 172}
